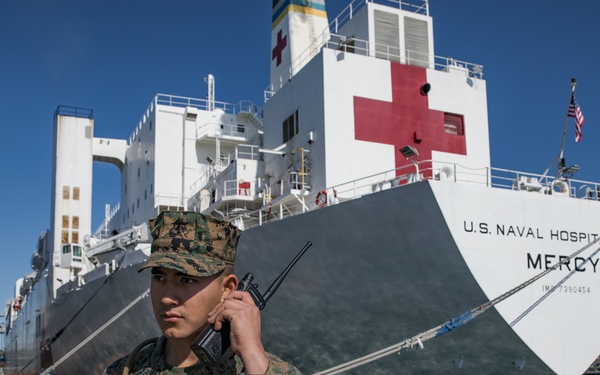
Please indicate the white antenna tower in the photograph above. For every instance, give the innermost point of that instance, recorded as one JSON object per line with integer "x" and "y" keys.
{"x": 106, "y": 219}
{"x": 210, "y": 79}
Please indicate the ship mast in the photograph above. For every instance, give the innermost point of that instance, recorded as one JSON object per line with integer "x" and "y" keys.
{"x": 210, "y": 79}
{"x": 564, "y": 137}
{"x": 561, "y": 168}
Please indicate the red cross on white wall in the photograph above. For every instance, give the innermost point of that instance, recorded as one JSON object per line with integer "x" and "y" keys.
{"x": 406, "y": 120}
{"x": 279, "y": 47}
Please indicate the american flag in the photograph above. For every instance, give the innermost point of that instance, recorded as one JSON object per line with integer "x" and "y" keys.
{"x": 575, "y": 112}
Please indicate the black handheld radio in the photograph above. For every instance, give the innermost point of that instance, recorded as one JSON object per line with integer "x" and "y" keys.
{"x": 211, "y": 345}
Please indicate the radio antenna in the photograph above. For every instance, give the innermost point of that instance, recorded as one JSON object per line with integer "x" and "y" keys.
{"x": 273, "y": 288}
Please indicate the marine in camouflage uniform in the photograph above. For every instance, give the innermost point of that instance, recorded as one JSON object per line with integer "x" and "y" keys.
{"x": 189, "y": 248}
{"x": 151, "y": 361}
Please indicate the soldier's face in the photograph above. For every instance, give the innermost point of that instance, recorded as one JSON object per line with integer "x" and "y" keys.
{"x": 181, "y": 302}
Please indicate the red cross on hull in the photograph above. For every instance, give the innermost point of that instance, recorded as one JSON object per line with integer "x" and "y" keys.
{"x": 406, "y": 120}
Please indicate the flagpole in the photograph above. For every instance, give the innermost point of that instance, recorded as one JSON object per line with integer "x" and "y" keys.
{"x": 560, "y": 155}
{"x": 561, "y": 160}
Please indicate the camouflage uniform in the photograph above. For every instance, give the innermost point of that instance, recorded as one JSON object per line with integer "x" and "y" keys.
{"x": 151, "y": 361}
{"x": 195, "y": 245}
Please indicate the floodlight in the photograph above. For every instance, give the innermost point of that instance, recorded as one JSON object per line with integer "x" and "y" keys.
{"x": 409, "y": 152}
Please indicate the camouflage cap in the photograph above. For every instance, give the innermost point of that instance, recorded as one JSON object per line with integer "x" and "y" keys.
{"x": 192, "y": 243}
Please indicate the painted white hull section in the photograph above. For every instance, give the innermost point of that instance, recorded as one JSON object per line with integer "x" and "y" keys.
{"x": 506, "y": 238}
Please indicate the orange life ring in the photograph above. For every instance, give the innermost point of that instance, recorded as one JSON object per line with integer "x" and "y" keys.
{"x": 321, "y": 200}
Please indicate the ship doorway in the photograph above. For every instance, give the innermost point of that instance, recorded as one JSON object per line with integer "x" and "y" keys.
{"x": 106, "y": 189}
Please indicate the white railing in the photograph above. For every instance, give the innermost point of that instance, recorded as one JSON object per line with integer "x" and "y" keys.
{"x": 243, "y": 106}
{"x": 374, "y": 50}
{"x": 294, "y": 199}
{"x": 218, "y": 129}
{"x": 222, "y": 177}
{"x": 386, "y": 52}
{"x": 100, "y": 231}
{"x": 203, "y": 104}
{"x": 230, "y": 190}
{"x": 184, "y": 102}
{"x": 416, "y": 6}
{"x": 495, "y": 178}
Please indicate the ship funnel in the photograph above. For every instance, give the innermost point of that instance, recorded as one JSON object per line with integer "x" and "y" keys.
{"x": 298, "y": 30}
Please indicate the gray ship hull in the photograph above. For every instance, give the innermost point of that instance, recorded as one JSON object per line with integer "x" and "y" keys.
{"x": 74, "y": 342}
{"x": 382, "y": 268}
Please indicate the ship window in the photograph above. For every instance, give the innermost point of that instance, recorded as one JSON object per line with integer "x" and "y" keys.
{"x": 66, "y": 192}
{"x": 150, "y": 125}
{"x": 290, "y": 127}
{"x": 151, "y": 189}
{"x": 75, "y": 193}
{"x": 191, "y": 116}
{"x": 66, "y": 249}
{"x": 454, "y": 124}
{"x": 138, "y": 173}
{"x": 125, "y": 189}
{"x": 75, "y": 222}
{"x": 77, "y": 251}
{"x": 65, "y": 221}
{"x": 138, "y": 203}
{"x": 132, "y": 209}
{"x": 75, "y": 236}
{"x": 241, "y": 128}
{"x": 145, "y": 194}
{"x": 170, "y": 208}
{"x": 64, "y": 236}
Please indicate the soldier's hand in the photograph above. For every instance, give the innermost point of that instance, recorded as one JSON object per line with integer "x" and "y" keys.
{"x": 244, "y": 318}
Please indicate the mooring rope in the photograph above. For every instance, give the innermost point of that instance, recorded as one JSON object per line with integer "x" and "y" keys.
{"x": 542, "y": 298}
{"x": 96, "y": 332}
{"x": 419, "y": 339}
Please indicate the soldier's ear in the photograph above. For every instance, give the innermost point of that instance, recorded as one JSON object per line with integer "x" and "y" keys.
{"x": 229, "y": 283}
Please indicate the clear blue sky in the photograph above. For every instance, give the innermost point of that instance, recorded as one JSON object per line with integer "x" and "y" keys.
{"x": 114, "y": 56}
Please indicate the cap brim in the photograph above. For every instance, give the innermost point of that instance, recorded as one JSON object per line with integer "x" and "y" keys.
{"x": 185, "y": 263}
